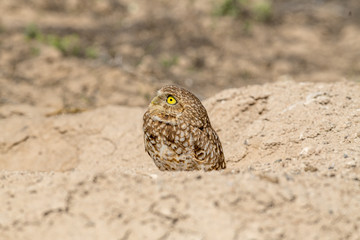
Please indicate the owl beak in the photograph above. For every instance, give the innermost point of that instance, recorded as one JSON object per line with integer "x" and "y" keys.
{"x": 155, "y": 101}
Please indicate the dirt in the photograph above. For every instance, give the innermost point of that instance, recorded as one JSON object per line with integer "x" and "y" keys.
{"x": 283, "y": 95}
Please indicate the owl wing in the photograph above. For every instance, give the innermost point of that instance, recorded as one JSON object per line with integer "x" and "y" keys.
{"x": 207, "y": 149}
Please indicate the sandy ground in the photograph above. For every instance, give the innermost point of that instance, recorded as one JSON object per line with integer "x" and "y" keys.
{"x": 76, "y": 76}
{"x": 293, "y": 171}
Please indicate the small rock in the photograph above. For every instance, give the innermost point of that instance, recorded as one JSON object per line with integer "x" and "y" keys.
{"x": 272, "y": 179}
{"x": 310, "y": 168}
{"x": 153, "y": 176}
{"x": 345, "y": 155}
{"x": 350, "y": 164}
{"x": 288, "y": 177}
{"x": 306, "y": 151}
{"x": 332, "y": 175}
{"x": 323, "y": 100}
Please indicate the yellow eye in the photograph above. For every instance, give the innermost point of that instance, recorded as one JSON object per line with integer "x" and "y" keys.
{"x": 171, "y": 100}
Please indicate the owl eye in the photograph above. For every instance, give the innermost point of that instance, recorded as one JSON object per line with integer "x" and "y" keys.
{"x": 171, "y": 100}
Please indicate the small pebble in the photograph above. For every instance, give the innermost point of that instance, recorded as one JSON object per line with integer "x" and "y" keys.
{"x": 153, "y": 176}
{"x": 288, "y": 177}
{"x": 350, "y": 164}
{"x": 310, "y": 169}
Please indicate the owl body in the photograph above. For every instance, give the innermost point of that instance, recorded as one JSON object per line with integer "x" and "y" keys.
{"x": 178, "y": 135}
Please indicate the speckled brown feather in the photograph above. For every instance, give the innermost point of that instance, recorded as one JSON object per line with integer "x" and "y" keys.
{"x": 180, "y": 137}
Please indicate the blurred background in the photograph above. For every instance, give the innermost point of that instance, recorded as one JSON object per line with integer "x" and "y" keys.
{"x": 77, "y": 54}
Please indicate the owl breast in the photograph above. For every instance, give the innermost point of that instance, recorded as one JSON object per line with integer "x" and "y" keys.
{"x": 168, "y": 145}
{"x": 181, "y": 146}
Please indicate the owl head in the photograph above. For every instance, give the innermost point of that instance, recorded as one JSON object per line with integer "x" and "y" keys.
{"x": 173, "y": 104}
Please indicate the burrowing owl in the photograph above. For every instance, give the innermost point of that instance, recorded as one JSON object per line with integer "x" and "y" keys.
{"x": 178, "y": 135}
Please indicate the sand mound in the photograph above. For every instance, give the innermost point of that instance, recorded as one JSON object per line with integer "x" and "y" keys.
{"x": 293, "y": 153}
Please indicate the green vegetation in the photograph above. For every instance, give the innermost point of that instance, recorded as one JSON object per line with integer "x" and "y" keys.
{"x": 147, "y": 97}
{"x": 2, "y": 28}
{"x": 260, "y": 10}
{"x": 169, "y": 62}
{"x": 263, "y": 11}
{"x": 32, "y": 32}
{"x": 228, "y": 8}
{"x": 68, "y": 45}
{"x": 35, "y": 51}
{"x": 91, "y": 52}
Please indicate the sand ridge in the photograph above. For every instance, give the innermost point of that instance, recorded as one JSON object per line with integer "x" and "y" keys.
{"x": 293, "y": 172}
